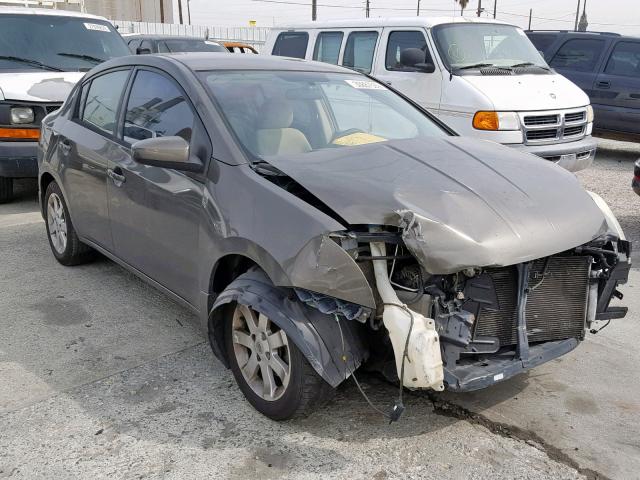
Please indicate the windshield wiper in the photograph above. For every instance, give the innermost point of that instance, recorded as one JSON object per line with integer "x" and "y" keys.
{"x": 477, "y": 65}
{"x": 82, "y": 56}
{"x": 529, "y": 64}
{"x": 29, "y": 61}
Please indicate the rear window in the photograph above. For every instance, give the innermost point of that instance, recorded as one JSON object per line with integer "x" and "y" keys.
{"x": 359, "y": 51}
{"x": 579, "y": 54}
{"x": 291, "y": 44}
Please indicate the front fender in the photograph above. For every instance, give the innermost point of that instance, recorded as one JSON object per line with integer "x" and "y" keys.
{"x": 318, "y": 336}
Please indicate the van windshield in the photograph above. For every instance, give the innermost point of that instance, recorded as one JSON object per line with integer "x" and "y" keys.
{"x": 473, "y": 46}
{"x": 56, "y": 43}
{"x": 275, "y": 113}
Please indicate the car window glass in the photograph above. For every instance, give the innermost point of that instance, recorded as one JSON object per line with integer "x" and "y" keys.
{"x": 146, "y": 44}
{"x": 625, "y": 60}
{"x": 156, "y": 108}
{"x": 542, "y": 41}
{"x": 327, "y": 47}
{"x": 102, "y": 99}
{"x": 359, "y": 50}
{"x": 578, "y": 54}
{"x": 291, "y": 44}
{"x": 399, "y": 41}
{"x": 162, "y": 48}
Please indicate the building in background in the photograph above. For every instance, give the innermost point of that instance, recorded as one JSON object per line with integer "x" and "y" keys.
{"x": 156, "y": 11}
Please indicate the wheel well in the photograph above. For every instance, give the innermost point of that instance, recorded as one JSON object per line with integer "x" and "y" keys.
{"x": 45, "y": 180}
{"x": 227, "y": 269}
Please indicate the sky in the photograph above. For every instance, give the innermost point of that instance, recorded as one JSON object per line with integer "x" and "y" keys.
{"x": 621, "y": 16}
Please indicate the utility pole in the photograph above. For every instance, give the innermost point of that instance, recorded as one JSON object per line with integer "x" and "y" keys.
{"x": 367, "y": 9}
{"x": 575, "y": 28}
{"x": 314, "y": 10}
{"x": 418, "y": 11}
{"x": 161, "y": 11}
{"x": 479, "y": 7}
{"x": 495, "y": 8}
{"x": 180, "y": 11}
{"x": 189, "y": 11}
{"x": 530, "y": 15}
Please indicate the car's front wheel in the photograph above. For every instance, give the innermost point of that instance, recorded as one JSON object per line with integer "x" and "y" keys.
{"x": 6, "y": 189}
{"x": 273, "y": 374}
{"x": 64, "y": 242}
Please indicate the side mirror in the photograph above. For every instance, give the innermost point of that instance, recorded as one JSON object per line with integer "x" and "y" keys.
{"x": 165, "y": 152}
{"x": 143, "y": 51}
{"x": 416, "y": 58}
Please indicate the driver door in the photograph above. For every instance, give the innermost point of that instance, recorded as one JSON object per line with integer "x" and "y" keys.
{"x": 155, "y": 212}
{"x": 423, "y": 88}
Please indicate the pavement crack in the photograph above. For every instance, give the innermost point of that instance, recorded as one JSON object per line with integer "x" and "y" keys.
{"x": 448, "y": 409}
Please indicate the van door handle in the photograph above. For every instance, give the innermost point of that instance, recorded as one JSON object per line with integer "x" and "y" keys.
{"x": 117, "y": 176}
{"x": 604, "y": 84}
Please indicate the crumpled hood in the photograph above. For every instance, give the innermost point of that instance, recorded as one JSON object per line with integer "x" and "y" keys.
{"x": 529, "y": 92}
{"x": 477, "y": 203}
{"x": 38, "y": 86}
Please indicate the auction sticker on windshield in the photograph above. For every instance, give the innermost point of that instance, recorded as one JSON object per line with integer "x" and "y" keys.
{"x": 96, "y": 27}
{"x": 365, "y": 85}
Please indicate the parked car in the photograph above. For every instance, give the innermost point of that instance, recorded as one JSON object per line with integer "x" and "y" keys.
{"x": 315, "y": 220}
{"x": 607, "y": 67}
{"x": 144, "y": 44}
{"x": 43, "y": 53}
{"x": 481, "y": 77}
{"x": 636, "y": 177}
{"x": 239, "y": 47}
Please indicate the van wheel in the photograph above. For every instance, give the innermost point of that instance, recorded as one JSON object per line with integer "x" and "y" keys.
{"x": 63, "y": 240}
{"x": 6, "y": 189}
{"x": 272, "y": 373}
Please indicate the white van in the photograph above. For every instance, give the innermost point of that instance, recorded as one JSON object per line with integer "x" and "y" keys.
{"x": 483, "y": 78}
{"x": 43, "y": 53}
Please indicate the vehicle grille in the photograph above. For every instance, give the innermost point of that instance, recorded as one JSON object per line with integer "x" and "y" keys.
{"x": 556, "y": 305}
{"x": 550, "y": 127}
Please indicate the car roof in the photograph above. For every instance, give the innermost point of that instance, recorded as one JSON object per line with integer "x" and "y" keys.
{"x": 426, "y": 22}
{"x": 47, "y": 11}
{"x": 148, "y": 36}
{"x": 203, "y": 61}
{"x": 585, "y": 34}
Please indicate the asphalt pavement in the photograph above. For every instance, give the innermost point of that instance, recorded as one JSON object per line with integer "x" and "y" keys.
{"x": 101, "y": 376}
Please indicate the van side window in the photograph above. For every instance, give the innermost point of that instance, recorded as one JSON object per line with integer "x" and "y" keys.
{"x": 580, "y": 54}
{"x": 327, "y": 47}
{"x": 399, "y": 41}
{"x": 625, "y": 60}
{"x": 359, "y": 51}
{"x": 291, "y": 44}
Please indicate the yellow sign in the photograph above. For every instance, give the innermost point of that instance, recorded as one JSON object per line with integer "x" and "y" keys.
{"x": 252, "y": 23}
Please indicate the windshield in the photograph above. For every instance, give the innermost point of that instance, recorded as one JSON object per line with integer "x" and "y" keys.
{"x": 476, "y": 45}
{"x": 192, "y": 45}
{"x": 49, "y": 42}
{"x": 284, "y": 112}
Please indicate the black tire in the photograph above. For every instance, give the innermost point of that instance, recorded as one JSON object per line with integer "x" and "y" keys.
{"x": 305, "y": 392}
{"x": 75, "y": 252}
{"x": 6, "y": 189}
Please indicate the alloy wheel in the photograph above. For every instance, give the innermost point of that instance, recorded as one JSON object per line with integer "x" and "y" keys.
{"x": 57, "y": 223}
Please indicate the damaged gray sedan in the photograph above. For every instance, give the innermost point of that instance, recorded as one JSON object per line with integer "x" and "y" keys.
{"x": 319, "y": 223}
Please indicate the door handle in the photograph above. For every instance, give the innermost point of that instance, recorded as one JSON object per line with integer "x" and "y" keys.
{"x": 117, "y": 176}
{"x": 65, "y": 146}
{"x": 604, "y": 84}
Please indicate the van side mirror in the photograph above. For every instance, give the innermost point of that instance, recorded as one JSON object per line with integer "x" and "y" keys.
{"x": 143, "y": 51}
{"x": 416, "y": 58}
{"x": 165, "y": 152}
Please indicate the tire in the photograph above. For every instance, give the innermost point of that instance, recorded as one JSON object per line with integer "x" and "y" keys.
{"x": 63, "y": 240}
{"x": 304, "y": 390}
{"x": 6, "y": 189}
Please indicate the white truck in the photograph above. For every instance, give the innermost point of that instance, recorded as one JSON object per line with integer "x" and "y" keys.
{"x": 43, "y": 53}
{"x": 482, "y": 77}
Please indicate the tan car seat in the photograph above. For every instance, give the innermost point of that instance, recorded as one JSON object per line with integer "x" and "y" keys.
{"x": 274, "y": 135}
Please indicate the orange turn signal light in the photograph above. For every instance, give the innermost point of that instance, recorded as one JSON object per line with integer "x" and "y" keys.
{"x": 19, "y": 133}
{"x": 486, "y": 121}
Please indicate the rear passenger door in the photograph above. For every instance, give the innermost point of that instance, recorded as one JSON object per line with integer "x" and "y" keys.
{"x": 423, "y": 88}
{"x": 156, "y": 212}
{"x": 579, "y": 59}
{"x": 616, "y": 95}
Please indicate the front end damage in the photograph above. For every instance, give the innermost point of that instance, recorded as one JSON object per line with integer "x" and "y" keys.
{"x": 469, "y": 329}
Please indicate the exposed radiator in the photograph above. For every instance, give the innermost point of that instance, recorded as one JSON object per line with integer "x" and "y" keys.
{"x": 556, "y": 305}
